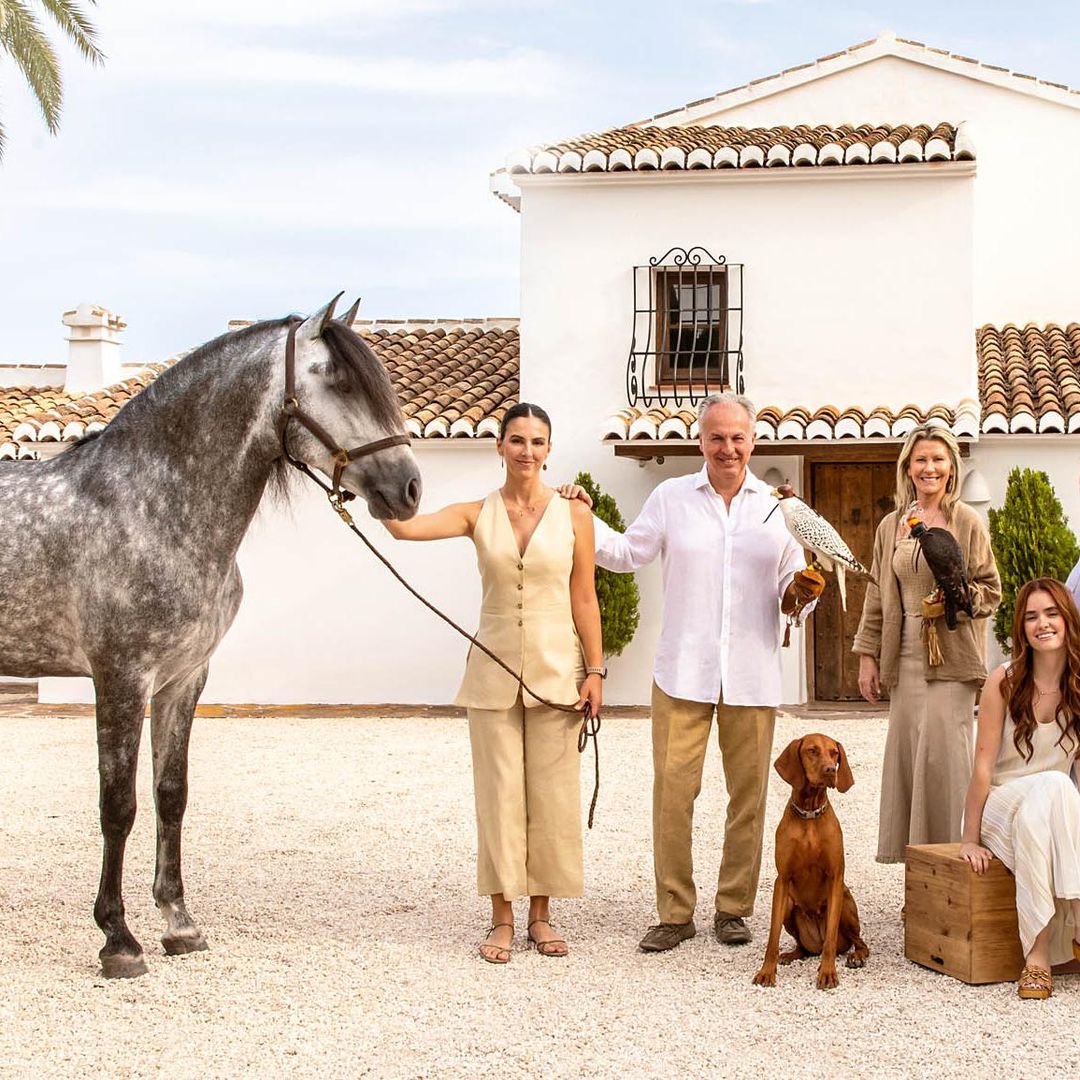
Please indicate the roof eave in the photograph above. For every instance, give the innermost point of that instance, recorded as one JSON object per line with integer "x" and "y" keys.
{"x": 884, "y": 45}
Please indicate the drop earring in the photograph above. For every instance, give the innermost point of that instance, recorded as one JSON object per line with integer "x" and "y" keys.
{"x": 544, "y": 466}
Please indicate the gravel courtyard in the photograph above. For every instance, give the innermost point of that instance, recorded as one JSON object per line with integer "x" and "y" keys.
{"x": 330, "y": 864}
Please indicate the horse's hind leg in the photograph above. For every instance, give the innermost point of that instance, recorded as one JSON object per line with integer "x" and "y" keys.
{"x": 171, "y": 712}
{"x": 120, "y": 709}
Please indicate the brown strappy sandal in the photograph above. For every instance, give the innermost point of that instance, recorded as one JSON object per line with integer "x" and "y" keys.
{"x": 502, "y": 953}
{"x": 1036, "y": 984}
{"x": 549, "y": 947}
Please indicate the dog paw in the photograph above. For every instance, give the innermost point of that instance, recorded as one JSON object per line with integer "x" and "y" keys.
{"x": 765, "y": 978}
{"x": 856, "y": 960}
{"x": 827, "y": 980}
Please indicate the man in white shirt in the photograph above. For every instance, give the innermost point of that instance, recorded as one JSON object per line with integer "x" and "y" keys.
{"x": 729, "y": 569}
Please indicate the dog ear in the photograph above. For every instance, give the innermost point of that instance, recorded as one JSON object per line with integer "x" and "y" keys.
{"x": 789, "y": 764}
{"x": 844, "y": 779}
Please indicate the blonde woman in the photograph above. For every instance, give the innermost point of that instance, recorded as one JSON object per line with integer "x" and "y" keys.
{"x": 929, "y": 747}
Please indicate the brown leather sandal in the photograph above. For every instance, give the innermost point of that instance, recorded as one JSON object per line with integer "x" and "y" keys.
{"x": 1036, "y": 984}
{"x": 549, "y": 947}
{"x": 502, "y": 953}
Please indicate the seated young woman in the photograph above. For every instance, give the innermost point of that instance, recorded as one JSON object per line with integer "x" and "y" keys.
{"x": 1023, "y": 804}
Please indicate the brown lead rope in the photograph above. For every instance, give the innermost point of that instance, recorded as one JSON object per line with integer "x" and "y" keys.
{"x": 590, "y": 725}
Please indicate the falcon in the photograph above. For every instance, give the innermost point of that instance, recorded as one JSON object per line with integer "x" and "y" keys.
{"x": 946, "y": 562}
{"x": 813, "y": 532}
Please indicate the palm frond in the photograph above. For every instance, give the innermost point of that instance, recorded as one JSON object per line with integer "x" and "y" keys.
{"x": 22, "y": 38}
{"x": 71, "y": 18}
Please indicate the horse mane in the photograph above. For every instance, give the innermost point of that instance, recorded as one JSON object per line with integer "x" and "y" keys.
{"x": 357, "y": 370}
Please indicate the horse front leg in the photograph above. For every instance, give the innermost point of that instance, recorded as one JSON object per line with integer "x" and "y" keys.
{"x": 171, "y": 712}
{"x": 120, "y": 710}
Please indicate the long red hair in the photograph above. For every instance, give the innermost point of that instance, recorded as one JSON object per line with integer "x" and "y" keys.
{"x": 1018, "y": 686}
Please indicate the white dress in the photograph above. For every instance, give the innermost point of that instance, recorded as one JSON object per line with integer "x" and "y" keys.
{"x": 1031, "y": 822}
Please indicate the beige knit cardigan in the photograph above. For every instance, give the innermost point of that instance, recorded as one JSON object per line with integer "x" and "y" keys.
{"x": 963, "y": 649}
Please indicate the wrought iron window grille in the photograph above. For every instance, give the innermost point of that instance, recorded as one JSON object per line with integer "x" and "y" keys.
{"x": 687, "y": 335}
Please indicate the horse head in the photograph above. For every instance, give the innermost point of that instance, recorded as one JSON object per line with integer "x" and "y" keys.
{"x": 344, "y": 403}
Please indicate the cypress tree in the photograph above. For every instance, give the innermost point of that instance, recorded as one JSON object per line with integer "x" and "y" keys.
{"x": 617, "y": 593}
{"x": 1030, "y": 538}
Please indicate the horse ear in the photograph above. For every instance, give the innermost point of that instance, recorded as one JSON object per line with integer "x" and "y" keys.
{"x": 350, "y": 316}
{"x": 313, "y": 326}
{"x": 789, "y": 764}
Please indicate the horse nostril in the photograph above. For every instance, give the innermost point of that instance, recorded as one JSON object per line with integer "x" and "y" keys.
{"x": 412, "y": 491}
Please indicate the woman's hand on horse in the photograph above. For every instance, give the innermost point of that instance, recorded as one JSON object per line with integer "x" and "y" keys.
{"x": 575, "y": 491}
{"x": 592, "y": 691}
{"x": 977, "y": 855}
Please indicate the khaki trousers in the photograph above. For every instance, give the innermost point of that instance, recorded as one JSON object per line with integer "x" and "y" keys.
{"x": 680, "y": 732}
{"x": 526, "y": 776}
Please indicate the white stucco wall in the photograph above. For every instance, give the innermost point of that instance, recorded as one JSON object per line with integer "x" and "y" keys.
{"x": 323, "y": 621}
{"x": 1027, "y": 217}
{"x": 856, "y": 293}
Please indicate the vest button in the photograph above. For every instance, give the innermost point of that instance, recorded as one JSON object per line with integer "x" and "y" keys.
{"x": 520, "y": 586}
{"x": 520, "y": 623}
{"x": 521, "y": 566}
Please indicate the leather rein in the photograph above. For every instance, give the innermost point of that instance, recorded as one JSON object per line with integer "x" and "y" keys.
{"x": 338, "y": 497}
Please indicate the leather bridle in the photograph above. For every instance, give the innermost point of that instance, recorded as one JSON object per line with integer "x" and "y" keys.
{"x": 290, "y": 410}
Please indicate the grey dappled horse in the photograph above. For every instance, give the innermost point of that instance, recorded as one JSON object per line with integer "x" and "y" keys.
{"x": 118, "y": 557}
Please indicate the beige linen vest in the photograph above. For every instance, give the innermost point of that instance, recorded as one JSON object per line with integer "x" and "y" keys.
{"x": 525, "y": 614}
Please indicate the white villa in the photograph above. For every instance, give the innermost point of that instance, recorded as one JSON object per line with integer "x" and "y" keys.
{"x": 860, "y": 243}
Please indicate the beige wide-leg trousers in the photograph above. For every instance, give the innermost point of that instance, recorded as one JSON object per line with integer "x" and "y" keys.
{"x": 680, "y": 732}
{"x": 526, "y": 775}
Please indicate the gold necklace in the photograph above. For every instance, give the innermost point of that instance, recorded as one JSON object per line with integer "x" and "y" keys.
{"x": 1040, "y": 693}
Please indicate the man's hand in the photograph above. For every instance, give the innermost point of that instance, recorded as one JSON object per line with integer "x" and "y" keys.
{"x": 806, "y": 586}
{"x": 575, "y": 491}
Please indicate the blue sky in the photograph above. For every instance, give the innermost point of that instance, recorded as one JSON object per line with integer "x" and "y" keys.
{"x": 247, "y": 158}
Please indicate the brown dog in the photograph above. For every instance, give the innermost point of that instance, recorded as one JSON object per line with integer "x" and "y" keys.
{"x": 810, "y": 899}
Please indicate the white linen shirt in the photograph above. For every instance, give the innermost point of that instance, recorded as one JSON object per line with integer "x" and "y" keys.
{"x": 725, "y": 571}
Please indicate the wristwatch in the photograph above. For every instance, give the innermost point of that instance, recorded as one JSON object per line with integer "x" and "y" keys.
{"x": 601, "y": 671}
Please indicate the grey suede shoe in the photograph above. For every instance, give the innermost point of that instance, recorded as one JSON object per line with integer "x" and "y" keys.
{"x": 731, "y": 929}
{"x": 666, "y": 936}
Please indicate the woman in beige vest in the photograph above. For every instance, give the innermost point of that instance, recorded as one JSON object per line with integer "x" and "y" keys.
{"x": 1023, "y": 802}
{"x": 930, "y": 742}
{"x": 539, "y": 613}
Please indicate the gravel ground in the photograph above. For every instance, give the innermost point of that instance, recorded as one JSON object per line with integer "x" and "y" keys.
{"x": 330, "y": 864}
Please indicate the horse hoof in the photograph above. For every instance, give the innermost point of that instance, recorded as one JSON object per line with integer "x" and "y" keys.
{"x": 184, "y": 942}
{"x": 121, "y": 966}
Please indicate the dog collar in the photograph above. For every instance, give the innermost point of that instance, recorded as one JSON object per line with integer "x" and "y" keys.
{"x": 809, "y": 815}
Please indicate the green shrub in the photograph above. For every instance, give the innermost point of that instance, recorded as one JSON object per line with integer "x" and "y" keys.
{"x": 1031, "y": 539}
{"x": 617, "y": 593}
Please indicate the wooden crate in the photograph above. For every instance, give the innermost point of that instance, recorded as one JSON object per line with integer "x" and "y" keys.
{"x": 959, "y": 922}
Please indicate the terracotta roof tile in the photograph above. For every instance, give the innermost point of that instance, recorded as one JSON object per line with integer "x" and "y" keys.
{"x": 1029, "y": 377}
{"x": 798, "y": 424}
{"x": 692, "y": 146}
{"x": 455, "y": 378}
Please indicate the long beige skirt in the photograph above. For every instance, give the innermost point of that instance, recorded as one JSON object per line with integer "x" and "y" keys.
{"x": 928, "y": 755}
{"x": 1032, "y": 824}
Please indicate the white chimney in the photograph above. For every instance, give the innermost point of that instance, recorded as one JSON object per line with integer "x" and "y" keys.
{"x": 93, "y": 349}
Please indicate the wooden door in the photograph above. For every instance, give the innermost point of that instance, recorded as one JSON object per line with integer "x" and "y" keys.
{"x": 854, "y": 497}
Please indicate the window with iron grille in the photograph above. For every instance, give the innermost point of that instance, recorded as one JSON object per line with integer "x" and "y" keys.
{"x": 687, "y": 336}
